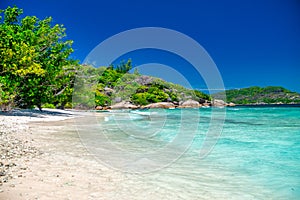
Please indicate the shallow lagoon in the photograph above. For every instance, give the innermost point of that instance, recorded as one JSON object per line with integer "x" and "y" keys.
{"x": 257, "y": 155}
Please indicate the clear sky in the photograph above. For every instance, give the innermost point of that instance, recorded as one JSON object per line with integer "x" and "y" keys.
{"x": 252, "y": 42}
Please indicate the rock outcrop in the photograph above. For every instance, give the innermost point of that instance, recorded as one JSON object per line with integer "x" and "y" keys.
{"x": 160, "y": 105}
{"x": 123, "y": 105}
{"x": 206, "y": 104}
{"x": 218, "y": 103}
{"x": 190, "y": 104}
{"x": 231, "y": 104}
{"x": 99, "y": 108}
{"x": 144, "y": 80}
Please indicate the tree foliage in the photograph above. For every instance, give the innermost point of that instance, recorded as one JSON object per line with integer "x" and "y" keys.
{"x": 201, "y": 96}
{"x": 124, "y": 67}
{"x": 34, "y": 64}
{"x": 86, "y": 87}
{"x": 150, "y": 94}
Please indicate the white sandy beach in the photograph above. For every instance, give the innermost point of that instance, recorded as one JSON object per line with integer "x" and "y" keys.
{"x": 50, "y": 162}
{"x": 52, "y": 165}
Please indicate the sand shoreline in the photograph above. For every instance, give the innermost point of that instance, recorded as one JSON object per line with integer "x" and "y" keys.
{"x": 44, "y": 159}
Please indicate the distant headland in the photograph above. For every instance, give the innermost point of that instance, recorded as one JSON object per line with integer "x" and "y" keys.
{"x": 261, "y": 96}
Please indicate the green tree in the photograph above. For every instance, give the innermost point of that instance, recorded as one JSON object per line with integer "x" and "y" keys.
{"x": 34, "y": 64}
{"x": 124, "y": 67}
{"x": 202, "y": 96}
{"x": 149, "y": 94}
{"x": 86, "y": 87}
{"x": 110, "y": 77}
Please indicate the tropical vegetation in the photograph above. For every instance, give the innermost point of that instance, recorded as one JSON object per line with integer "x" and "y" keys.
{"x": 36, "y": 71}
{"x": 35, "y": 68}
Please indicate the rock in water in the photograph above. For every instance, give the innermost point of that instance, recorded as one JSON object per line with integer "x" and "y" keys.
{"x": 218, "y": 103}
{"x": 190, "y": 104}
{"x": 231, "y": 104}
{"x": 160, "y": 105}
{"x": 99, "y": 108}
{"x": 123, "y": 105}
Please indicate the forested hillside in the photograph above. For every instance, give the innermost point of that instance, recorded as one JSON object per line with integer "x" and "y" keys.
{"x": 116, "y": 84}
{"x": 259, "y": 95}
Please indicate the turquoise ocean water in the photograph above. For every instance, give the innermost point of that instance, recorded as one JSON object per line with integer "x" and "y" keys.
{"x": 257, "y": 155}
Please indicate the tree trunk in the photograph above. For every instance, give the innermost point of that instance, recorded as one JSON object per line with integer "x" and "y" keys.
{"x": 40, "y": 107}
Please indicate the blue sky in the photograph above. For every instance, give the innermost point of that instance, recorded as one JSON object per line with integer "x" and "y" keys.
{"x": 252, "y": 42}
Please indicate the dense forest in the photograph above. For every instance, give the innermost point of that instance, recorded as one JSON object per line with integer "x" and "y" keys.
{"x": 36, "y": 71}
